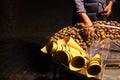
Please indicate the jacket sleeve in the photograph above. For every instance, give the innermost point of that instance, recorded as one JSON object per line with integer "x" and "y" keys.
{"x": 79, "y": 4}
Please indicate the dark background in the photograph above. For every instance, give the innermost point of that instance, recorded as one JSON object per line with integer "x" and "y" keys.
{"x": 25, "y": 26}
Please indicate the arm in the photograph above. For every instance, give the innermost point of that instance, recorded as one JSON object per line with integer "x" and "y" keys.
{"x": 82, "y": 12}
{"x": 86, "y": 19}
{"x": 89, "y": 31}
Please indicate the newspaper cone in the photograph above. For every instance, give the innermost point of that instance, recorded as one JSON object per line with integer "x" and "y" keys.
{"x": 94, "y": 66}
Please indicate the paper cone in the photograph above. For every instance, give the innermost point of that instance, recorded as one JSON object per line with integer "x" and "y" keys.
{"x": 52, "y": 47}
{"x": 44, "y": 49}
{"x": 70, "y": 42}
{"x": 58, "y": 50}
{"x": 64, "y": 51}
{"x": 78, "y": 63}
{"x": 61, "y": 41}
{"x": 94, "y": 66}
{"x": 90, "y": 76}
{"x": 97, "y": 57}
{"x": 62, "y": 56}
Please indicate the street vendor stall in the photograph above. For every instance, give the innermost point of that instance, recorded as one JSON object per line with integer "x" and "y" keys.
{"x": 87, "y": 56}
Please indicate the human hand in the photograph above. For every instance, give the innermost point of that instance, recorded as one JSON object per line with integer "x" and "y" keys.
{"x": 89, "y": 30}
{"x": 107, "y": 11}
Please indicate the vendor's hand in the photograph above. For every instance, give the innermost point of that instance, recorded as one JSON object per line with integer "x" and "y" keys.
{"x": 108, "y": 9}
{"x": 89, "y": 30}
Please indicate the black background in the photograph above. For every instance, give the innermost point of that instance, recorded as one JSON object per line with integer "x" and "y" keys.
{"x": 25, "y": 26}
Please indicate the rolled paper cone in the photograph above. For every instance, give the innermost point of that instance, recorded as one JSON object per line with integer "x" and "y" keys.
{"x": 97, "y": 57}
{"x": 61, "y": 41}
{"x": 68, "y": 53}
{"x": 72, "y": 51}
{"x": 70, "y": 42}
{"x": 44, "y": 50}
{"x": 77, "y": 63}
{"x": 80, "y": 70}
{"x": 58, "y": 50}
{"x": 51, "y": 47}
{"x": 78, "y": 60}
{"x": 62, "y": 56}
{"x": 90, "y": 76}
{"x": 84, "y": 54}
{"x": 55, "y": 47}
{"x": 94, "y": 66}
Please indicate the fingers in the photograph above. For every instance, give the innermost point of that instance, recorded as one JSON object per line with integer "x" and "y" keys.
{"x": 87, "y": 32}
{"x": 90, "y": 32}
{"x": 107, "y": 12}
{"x": 93, "y": 33}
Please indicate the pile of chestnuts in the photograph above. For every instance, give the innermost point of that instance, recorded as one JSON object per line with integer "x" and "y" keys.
{"x": 77, "y": 33}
